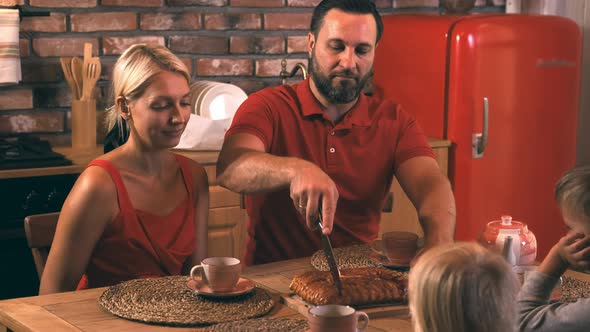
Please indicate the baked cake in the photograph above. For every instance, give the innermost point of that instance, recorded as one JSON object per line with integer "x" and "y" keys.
{"x": 360, "y": 286}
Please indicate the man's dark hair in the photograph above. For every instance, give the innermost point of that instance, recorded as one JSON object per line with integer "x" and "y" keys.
{"x": 347, "y": 6}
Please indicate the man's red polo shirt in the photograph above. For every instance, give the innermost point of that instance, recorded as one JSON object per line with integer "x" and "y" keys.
{"x": 360, "y": 154}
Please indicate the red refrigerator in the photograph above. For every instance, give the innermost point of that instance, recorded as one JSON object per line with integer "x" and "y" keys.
{"x": 517, "y": 73}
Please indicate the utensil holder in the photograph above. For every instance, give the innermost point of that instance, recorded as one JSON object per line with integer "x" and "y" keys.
{"x": 83, "y": 120}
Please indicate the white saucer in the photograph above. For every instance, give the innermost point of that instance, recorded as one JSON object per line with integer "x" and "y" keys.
{"x": 198, "y": 286}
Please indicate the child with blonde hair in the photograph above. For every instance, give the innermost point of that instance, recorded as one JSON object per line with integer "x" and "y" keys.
{"x": 572, "y": 251}
{"x": 462, "y": 287}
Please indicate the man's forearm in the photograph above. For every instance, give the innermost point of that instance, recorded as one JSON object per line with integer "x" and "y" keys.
{"x": 438, "y": 229}
{"x": 254, "y": 172}
{"x": 437, "y": 214}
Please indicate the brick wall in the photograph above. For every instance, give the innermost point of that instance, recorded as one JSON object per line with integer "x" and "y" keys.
{"x": 236, "y": 41}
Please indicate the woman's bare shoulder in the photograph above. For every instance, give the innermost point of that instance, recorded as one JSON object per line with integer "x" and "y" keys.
{"x": 93, "y": 197}
{"x": 97, "y": 183}
{"x": 199, "y": 175}
{"x": 197, "y": 170}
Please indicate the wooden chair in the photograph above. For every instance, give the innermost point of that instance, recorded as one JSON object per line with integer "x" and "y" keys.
{"x": 39, "y": 230}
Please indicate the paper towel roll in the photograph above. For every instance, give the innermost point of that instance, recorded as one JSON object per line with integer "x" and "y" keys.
{"x": 10, "y": 71}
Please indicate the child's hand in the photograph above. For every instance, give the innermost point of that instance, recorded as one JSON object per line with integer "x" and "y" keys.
{"x": 574, "y": 248}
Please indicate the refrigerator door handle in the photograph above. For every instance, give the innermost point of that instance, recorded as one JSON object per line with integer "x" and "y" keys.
{"x": 479, "y": 140}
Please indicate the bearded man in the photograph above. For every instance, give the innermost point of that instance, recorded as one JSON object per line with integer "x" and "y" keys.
{"x": 322, "y": 142}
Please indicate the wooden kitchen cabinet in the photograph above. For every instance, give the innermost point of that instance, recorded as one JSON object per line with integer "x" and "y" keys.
{"x": 227, "y": 223}
{"x": 227, "y": 220}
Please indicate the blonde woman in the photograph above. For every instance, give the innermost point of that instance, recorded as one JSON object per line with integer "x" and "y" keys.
{"x": 138, "y": 211}
{"x": 462, "y": 287}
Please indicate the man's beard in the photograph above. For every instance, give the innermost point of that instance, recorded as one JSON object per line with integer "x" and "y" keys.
{"x": 346, "y": 91}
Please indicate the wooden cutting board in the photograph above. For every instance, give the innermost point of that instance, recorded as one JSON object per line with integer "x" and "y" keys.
{"x": 278, "y": 280}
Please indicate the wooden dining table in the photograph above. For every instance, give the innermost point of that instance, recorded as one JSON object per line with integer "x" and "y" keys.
{"x": 80, "y": 311}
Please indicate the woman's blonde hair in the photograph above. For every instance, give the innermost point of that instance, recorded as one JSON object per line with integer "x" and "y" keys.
{"x": 134, "y": 71}
{"x": 462, "y": 287}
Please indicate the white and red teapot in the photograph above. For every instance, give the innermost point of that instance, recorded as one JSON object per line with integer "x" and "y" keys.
{"x": 523, "y": 247}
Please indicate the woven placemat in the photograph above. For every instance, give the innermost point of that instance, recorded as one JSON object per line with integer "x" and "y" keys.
{"x": 168, "y": 301}
{"x": 282, "y": 324}
{"x": 572, "y": 289}
{"x": 346, "y": 257}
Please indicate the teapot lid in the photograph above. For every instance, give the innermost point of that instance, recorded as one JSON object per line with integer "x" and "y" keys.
{"x": 506, "y": 223}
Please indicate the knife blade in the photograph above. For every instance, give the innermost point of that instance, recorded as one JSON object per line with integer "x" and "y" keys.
{"x": 329, "y": 253}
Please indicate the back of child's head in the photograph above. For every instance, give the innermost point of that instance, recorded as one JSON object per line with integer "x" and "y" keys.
{"x": 462, "y": 287}
{"x": 572, "y": 193}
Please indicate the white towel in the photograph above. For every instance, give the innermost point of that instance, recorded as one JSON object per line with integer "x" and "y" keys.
{"x": 203, "y": 134}
{"x": 9, "y": 48}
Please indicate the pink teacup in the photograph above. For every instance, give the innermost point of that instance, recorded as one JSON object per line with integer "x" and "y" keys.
{"x": 336, "y": 318}
{"x": 221, "y": 274}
